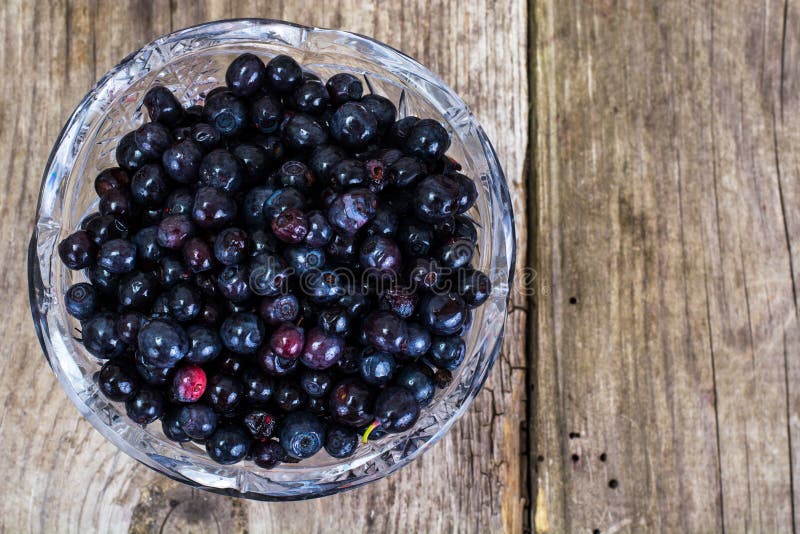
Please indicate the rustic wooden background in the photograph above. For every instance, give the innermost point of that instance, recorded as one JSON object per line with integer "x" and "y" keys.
{"x": 652, "y": 380}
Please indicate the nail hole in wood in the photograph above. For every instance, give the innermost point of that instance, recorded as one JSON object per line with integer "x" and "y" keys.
{"x": 575, "y": 458}
{"x": 573, "y": 300}
{"x": 613, "y": 483}
{"x": 603, "y": 457}
{"x": 574, "y": 435}
{"x": 540, "y": 458}
{"x": 596, "y": 531}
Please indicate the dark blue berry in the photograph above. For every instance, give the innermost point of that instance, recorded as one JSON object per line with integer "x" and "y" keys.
{"x": 229, "y": 444}
{"x": 145, "y": 406}
{"x": 137, "y": 290}
{"x": 149, "y": 186}
{"x": 301, "y": 132}
{"x": 351, "y": 402}
{"x": 101, "y": 228}
{"x": 353, "y": 125}
{"x": 344, "y": 87}
{"x": 352, "y": 210}
{"x": 340, "y": 441}
{"x": 162, "y": 343}
{"x": 320, "y": 231}
{"x": 398, "y": 133}
{"x": 280, "y": 309}
{"x": 266, "y": 114}
{"x": 230, "y": 246}
{"x": 302, "y": 435}
{"x": 245, "y": 75}
{"x": 324, "y": 158}
{"x": 117, "y": 381}
{"x": 310, "y": 97}
{"x": 283, "y": 74}
{"x": 385, "y": 331}
{"x": 182, "y": 161}
{"x": 172, "y": 428}
{"x": 224, "y": 393}
{"x": 242, "y": 333}
{"x": 383, "y": 109}
{"x": 296, "y": 174}
{"x": 233, "y": 283}
{"x": 321, "y": 350}
{"x": 147, "y": 247}
{"x": 376, "y": 367}
{"x": 128, "y": 325}
{"x": 267, "y": 454}
{"x": 117, "y": 203}
{"x": 436, "y": 198}
{"x": 302, "y": 258}
{"x": 427, "y": 140}
{"x": 289, "y": 397}
{"x": 222, "y": 170}
{"x": 162, "y": 106}
{"x": 253, "y": 206}
{"x": 174, "y": 230}
{"x": 213, "y": 208}
{"x": 347, "y": 173}
{"x": 81, "y": 301}
{"x": 396, "y": 409}
{"x": 117, "y": 255}
{"x": 268, "y": 275}
{"x": 225, "y": 112}
{"x": 380, "y": 254}
{"x": 128, "y": 154}
{"x": 261, "y": 424}
{"x": 198, "y": 421}
{"x": 316, "y": 383}
{"x": 418, "y": 341}
{"x": 77, "y": 250}
{"x": 447, "y": 352}
{"x": 258, "y": 387}
{"x": 418, "y": 379}
{"x": 204, "y": 344}
{"x": 111, "y": 178}
{"x": 205, "y": 136}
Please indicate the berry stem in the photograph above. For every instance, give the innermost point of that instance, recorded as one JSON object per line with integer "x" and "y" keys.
{"x": 375, "y": 424}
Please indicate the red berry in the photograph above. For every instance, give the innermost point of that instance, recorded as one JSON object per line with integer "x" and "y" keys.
{"x": 189, "y": 384}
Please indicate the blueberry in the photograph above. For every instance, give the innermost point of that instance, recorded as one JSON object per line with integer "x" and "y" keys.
{"x": 128, "y": 154}
{"x": 400, "y": 300}
{"x": 229, "y": 444}
{"x": 320, "y": 231}
{"x": 283, "y": 74}
{"x": 224, "y": 393}
{"x": 174, "y": 230}
{"x": 117, "y": 256}
{"x": 101, "y": 228}
{"x": 245, "y": 75}
{"x": 316, "y": 383}
{"x": 266, "y": 113}
{"x": 376, "y": 367}
{"x": 151, "y": 374}
{"x": 233, "y": 283}
{"x": 117, "y": 381}
{"x": 418, "y": 379}
{"x": 380, "y": 254}
{"x": 296, "y": 174}
{"x": 162, "y": 106}
{"x": 302, "y": 258}
{"x": 188, "y": 384}
{"x": 385, "y": 331}
{"x": 287, "y": 341}
{"x": 162, "y": 343}
{"x": 351, "y": 402}
{"x": 272, "y": 145}
{"x": 310, "y": 97}
{"x": 204, "y": 344}
{"x": 254, "y": 161}
{"x": 172, "y": 270}
{"x": 137, "y": 290}
{"x": 276, "y": 310}
{"x": 344, "y": 87}
{"x": 355, "y": 303}
{"x": 384, "y": 224}
{"x": 382, "y": 108}
{"x": 455, "y": 253}
{"x": 81, "y": 301}
{"x": 436, "y": 198}
{"x": 205, "y": 136}
{"x": 152, "y": 139}
{"x": 468, "y": 192}
{"x": 222, "y": 170}
{"x": 302, "y": 435}
{"x": 418, "y": 341}
{"x": 301, "y": 132}
{"x": 184, "y": 302}
{"x": 406, "y": 171}
{"x": 442, "y": 314}
{"x": 473, "y": 286}
{"x": 197, "y": 255}
{"x": 149, "y": 186}
{"x": 342, "y": 248}
{"x": 258, "y": 387}
{"x": 274, "y": 365}
{"x": 230, "y": 246}
{"x": 396, "y": 409}
{"x": 213, "y": 208}
{"x": 321, "y": 350}
{"x": 147, "y": 247}
{"x": 117, "y": 203}
{"x": 447, "y": 352}
{"x": 340, "y": 441}
{"x": 103, "y": 280}
{"x": 145, "y": 406}
{"x": 172, "y": 428}
{"x": 253, "y": 206}
{"x": 347, "y": 173}
{"x": 242, "y": 333}
{"x": 322, "y": 286}
{"x": 198, "y": 421}
{"x": 182, "y": 161}
{"x": 77, "y": 250}
{"x": 111, "y": 178}
{"x": 352, "y": 210}
{"x": 353, "y": 125}
{"x": 324, "y": 158}
{"x": 427, "y": 140}
{"x": 282, "y": 199}
{"x": 268, "y": 275}
{"x": 289, "y": 397}
{"x": 267, "y": 454}
{"x": 290, "y": 226}
{"x": 398, "y": 132}
{"x": 128, "y": 325}
{"x": 225, "y": 112}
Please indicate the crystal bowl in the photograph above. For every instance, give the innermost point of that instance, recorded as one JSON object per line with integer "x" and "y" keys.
{"x": 191, "y": 62}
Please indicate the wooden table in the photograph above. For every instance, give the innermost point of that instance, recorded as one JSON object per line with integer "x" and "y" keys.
{"x": 650, "y": 380}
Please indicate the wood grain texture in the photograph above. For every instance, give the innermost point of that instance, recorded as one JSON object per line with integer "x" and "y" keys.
{"x": 61, "y": 476}
{"x": 667, "y": 185}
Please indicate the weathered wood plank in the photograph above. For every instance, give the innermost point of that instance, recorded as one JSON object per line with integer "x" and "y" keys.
{"x": 61, "y": 475}
{"x": 666, "y": 183}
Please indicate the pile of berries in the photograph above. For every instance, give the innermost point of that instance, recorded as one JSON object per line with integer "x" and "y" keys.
{"x": 283, "y": 269}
